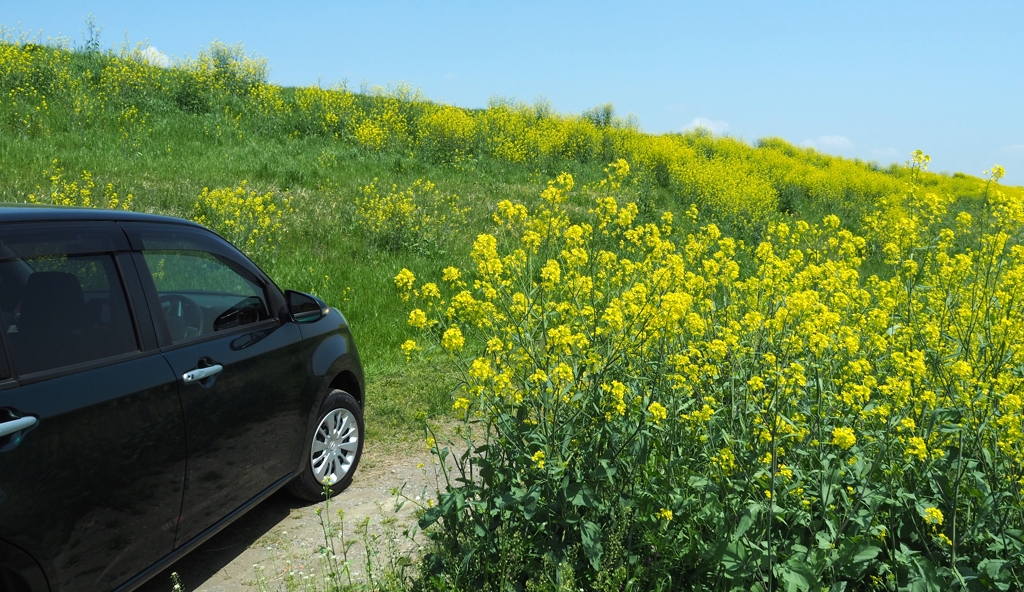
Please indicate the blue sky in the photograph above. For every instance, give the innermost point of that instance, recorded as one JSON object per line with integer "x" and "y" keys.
{"x": 875, "y": 80}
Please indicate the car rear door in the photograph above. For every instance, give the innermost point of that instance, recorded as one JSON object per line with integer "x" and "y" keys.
{"x": 92, "y": 439}
{"x": 240, "y": 369}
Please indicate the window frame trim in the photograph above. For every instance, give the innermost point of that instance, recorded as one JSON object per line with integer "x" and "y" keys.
{"x": 59, "y": 371}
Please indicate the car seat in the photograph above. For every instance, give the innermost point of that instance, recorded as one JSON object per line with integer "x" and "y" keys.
{"x": 52, "y": 323}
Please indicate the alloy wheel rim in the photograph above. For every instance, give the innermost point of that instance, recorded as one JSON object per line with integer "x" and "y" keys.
{"x": 334, "y": 446}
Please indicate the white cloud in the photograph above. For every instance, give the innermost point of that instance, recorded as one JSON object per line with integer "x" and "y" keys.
{"x": 451, "y": 76}
{"x": 716, "y": 126}
{"x": 885, "y": 152}
{"x": 156, "y": 57}
{"x": 829, "y": 143}
{"x": 1015, "y": 149}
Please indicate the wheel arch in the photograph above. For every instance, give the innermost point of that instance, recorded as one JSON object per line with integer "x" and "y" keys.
{"x": 347, "y": 381}
{"x": 19, "y": 572}
{"x": 345, "y": 373}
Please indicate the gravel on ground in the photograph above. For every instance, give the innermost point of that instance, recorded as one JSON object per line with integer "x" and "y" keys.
{"x": 284, "y": 535}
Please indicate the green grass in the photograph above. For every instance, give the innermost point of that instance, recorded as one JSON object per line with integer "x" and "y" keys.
{"x": 177, "y": 162}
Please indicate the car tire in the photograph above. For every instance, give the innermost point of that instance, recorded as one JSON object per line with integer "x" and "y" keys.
{"x": 332, "y": 449}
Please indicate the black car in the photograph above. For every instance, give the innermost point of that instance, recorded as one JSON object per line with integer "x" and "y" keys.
{"x": 154, "y": 385}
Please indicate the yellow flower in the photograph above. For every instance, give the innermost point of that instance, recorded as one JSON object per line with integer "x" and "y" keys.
{"x": 481, "y": 369}
{"x": 664, "y": 514}
{"x": 843, "y": 437}
{"x": 408, "y": 348}
{"x": 658, "y": 411}
{"x": 561, "y": 374}
{"x": 703, "y": 414}
{"x": 933, "y": 516}
{"x": 550, "y": 274}
{"x": 430, "y": 291}
{"x": 917, "y": 448}
{"x": 618, "y": 392}
{"x": 452, "y": 340}
{"x": 417, "y": 318}
{"x": 460, "y": 404}
{"x": 405, "y": 280}
{"x": 725, "y": 460}
{"x": 538, "y": 459}
{"x": 485, "y": 255}
{"x": 450, "y": 274}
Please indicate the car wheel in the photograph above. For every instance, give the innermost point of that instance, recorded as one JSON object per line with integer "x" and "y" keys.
{"x": 333, "y": 448}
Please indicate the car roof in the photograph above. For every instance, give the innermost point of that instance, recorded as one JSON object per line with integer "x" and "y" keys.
{"x": 48, "y": 213}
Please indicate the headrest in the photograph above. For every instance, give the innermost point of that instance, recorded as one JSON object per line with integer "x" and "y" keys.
{"x": 53, "y": 297}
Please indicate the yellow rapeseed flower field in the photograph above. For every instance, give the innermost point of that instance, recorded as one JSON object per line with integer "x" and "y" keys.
{"x": 754, "y": 410}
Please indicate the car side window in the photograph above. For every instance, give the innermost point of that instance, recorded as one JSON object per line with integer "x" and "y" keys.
{"x": 62, "y": 309}
{"x": 200, "y": 294}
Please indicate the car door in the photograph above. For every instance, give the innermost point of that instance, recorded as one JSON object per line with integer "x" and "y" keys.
{"x": 240, "y": 368}
{"x": 92, "y": 438}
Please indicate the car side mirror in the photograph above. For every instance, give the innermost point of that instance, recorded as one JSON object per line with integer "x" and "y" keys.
{"x": 305, "y": 308}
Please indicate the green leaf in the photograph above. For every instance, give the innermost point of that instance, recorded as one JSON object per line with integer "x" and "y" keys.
{"x": 431, "y": 516}
{"x": 995, "y": 573}
{"x": 824, "y": 540}
{"x": 866, "y": 553}
{"x": 592, "y": 543}
{"x": 530, "y": 503}
{"x": 797, "y": 575}
{"x": 504, "y": 501}
{"x": 604, "y": 471}
{"x": 927, "y": 579}
{"x": 947, "y": 420}
{"x": 992, "y": 567}
{"x": 580, "y": 495}
{"x": 734, "y": 559}
{"x": 746, "y": 521}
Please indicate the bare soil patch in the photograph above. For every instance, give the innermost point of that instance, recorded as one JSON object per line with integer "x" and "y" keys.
{"x": 284, "y": 534}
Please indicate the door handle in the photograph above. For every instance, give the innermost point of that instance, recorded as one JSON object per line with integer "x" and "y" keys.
{"x": 16, "y": 425}
{"x": 201, "y": 373}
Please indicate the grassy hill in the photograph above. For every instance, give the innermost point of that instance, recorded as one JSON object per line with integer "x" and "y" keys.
{"x": 699, "y": 361}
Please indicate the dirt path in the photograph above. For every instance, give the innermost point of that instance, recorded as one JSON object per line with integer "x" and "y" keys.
{"x": 284, "y": 534}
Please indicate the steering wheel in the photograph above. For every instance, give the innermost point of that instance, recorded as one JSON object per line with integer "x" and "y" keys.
{"x": 184, "y": 317}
